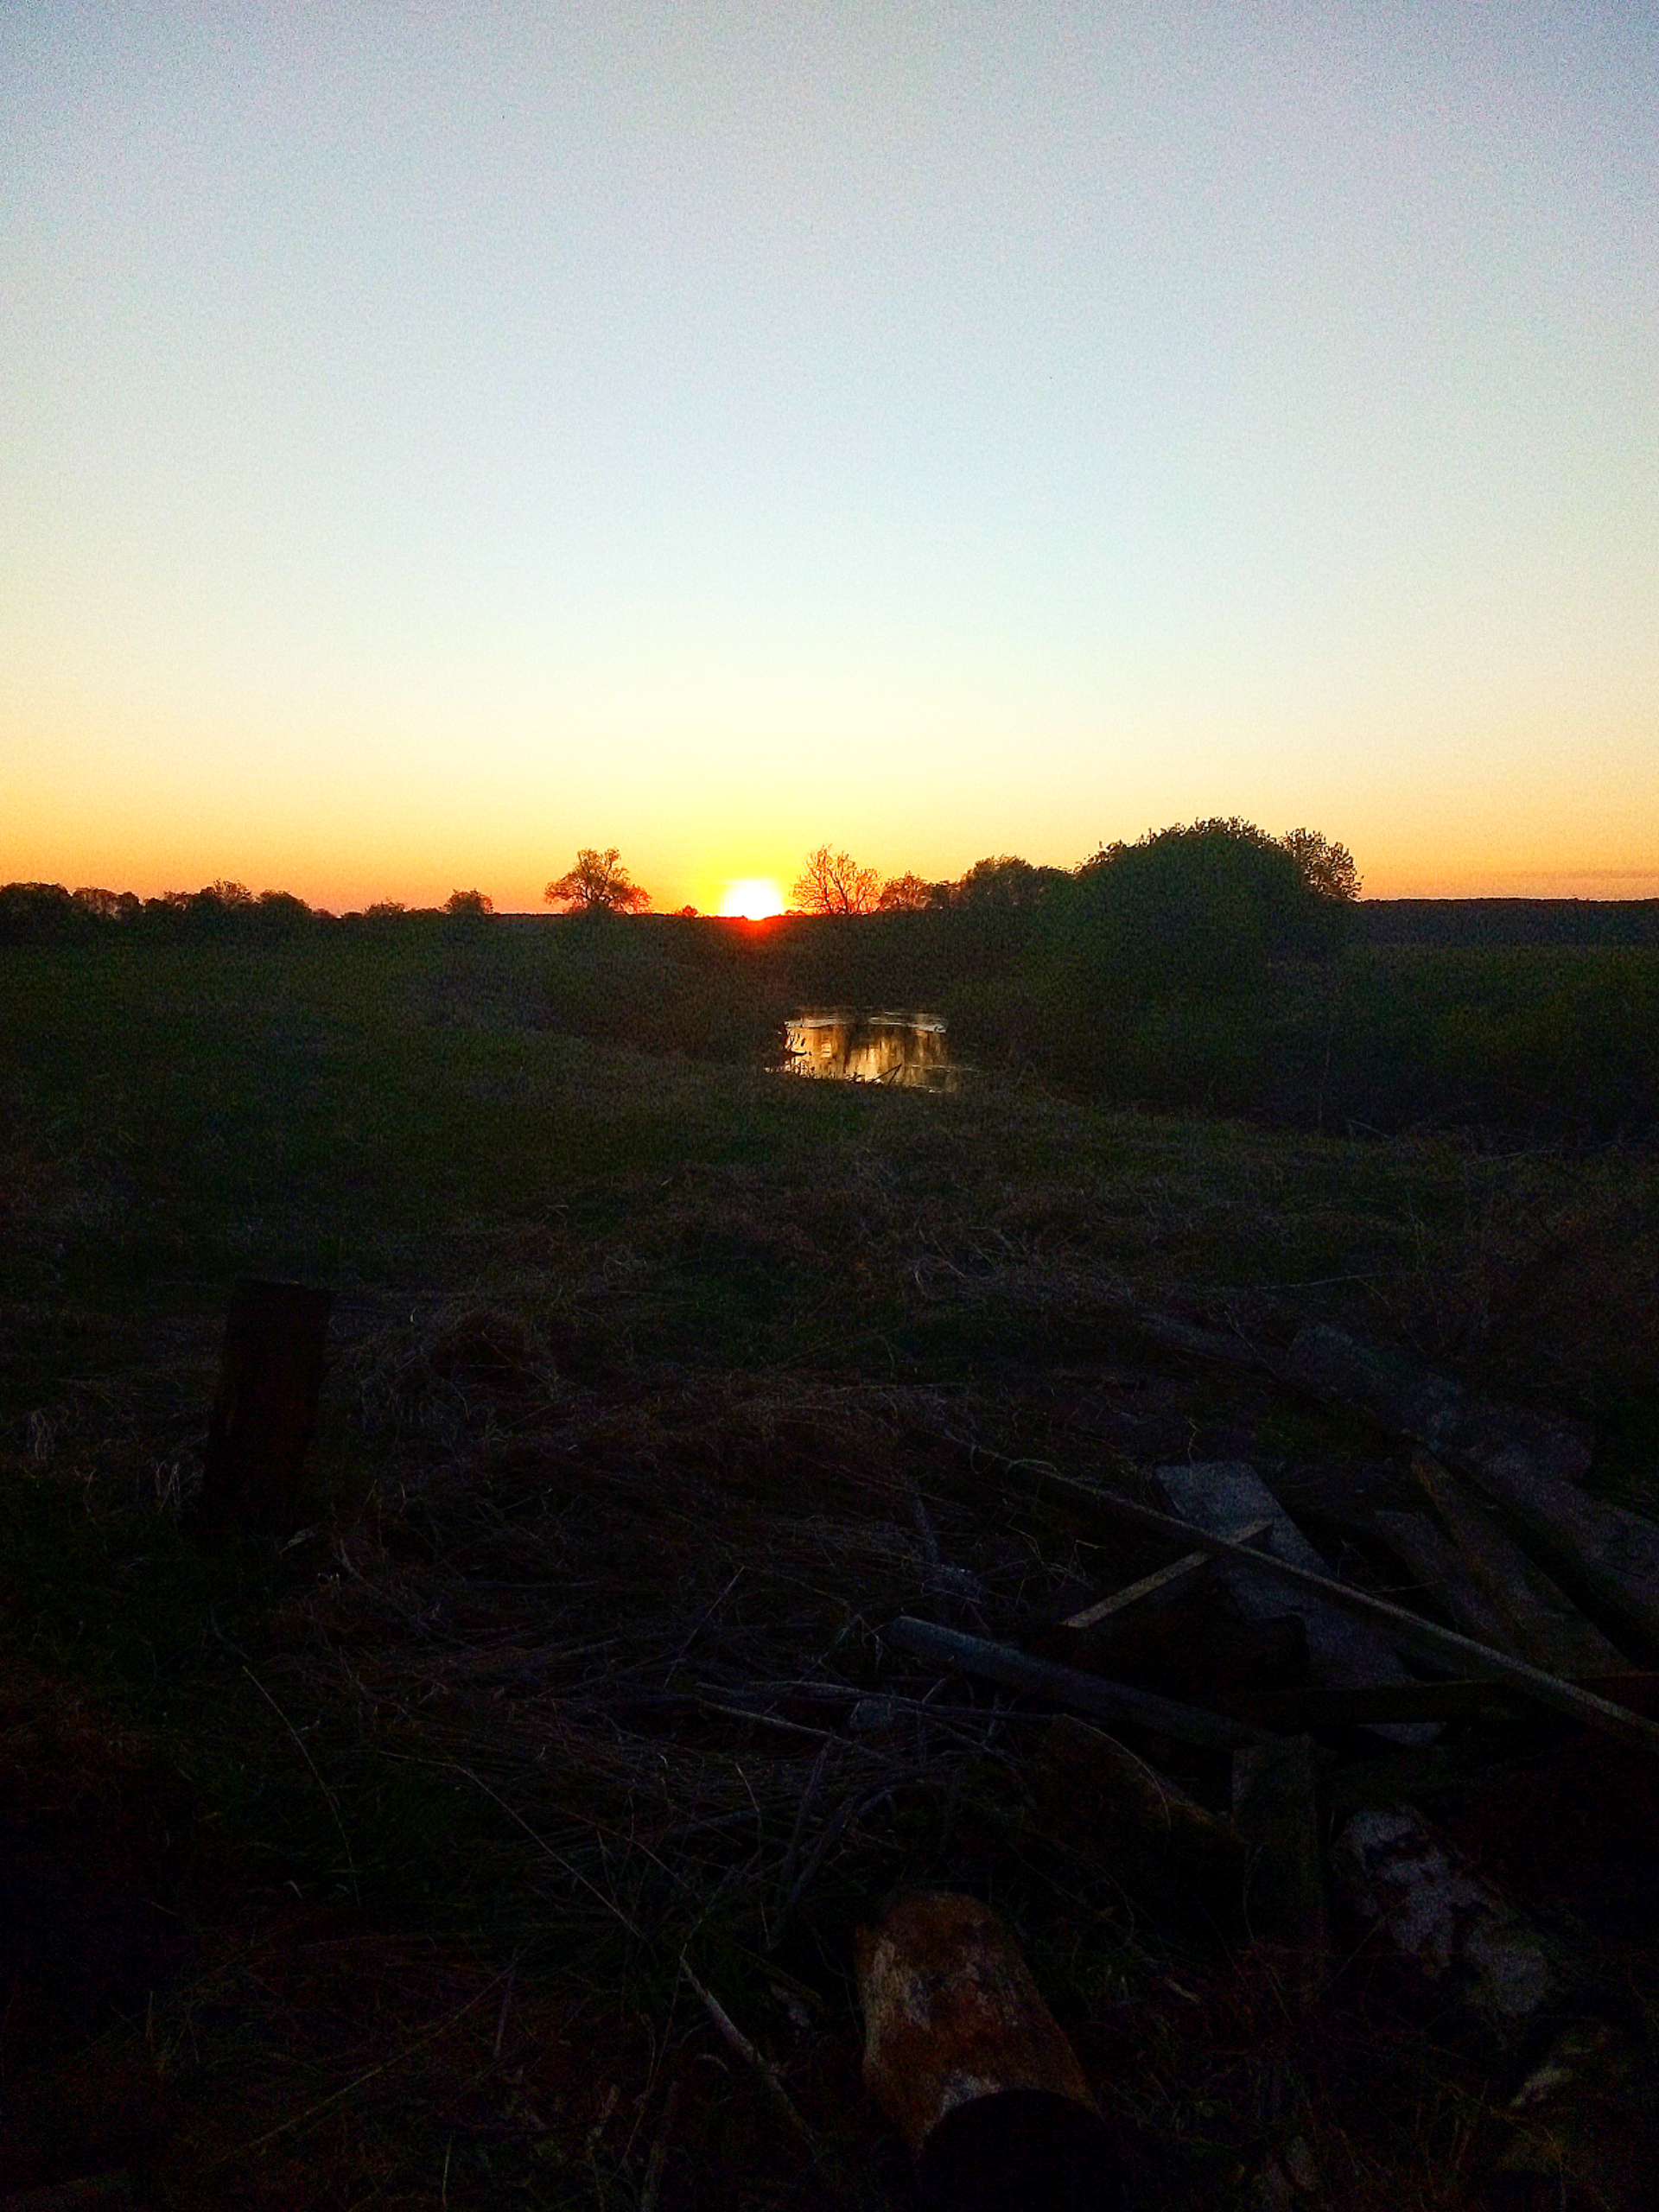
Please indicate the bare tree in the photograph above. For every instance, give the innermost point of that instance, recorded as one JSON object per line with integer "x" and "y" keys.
{"x": 598, "y": 884}
{"x": 834, "y": 883}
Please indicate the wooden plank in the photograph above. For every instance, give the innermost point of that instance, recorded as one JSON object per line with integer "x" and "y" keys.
{"x": 1441, "y": 1646}
{"x": 1433, "y": 1558}
{"x": 1166, "y": 1577}
{"x": 1070, "y": 1687}
{"x": 1276, "y": 1809}
{"x": 1215, "y": 1495}
{"x": 1320, "y": 1707}
{"x": 1544, "y": 1625}
{"x": 1400, "y": 1395}
{"x": 1612, "y": 1553}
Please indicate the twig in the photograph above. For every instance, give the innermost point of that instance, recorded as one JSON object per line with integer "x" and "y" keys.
{"x": 314, "y": 2112}
{"x": 854, "y": 1809}
{"x": 542, "y": 1844}
{"x": 506, "y": 1999}
{"x": 329, "y": 1798}
{"x": 747, "y": 2051}
{"x": 653, "y": 2180}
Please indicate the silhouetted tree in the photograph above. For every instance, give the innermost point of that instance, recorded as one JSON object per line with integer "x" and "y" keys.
{"x": 37, "y": 913}
{"x": 1326, "y": 868}
{"x": 834, "y": 883}
{"x": 118, "y": 906}
{"x": 469, "y": 905}
{"x": 598, "y": 884}
{"x": 1197, "y": 907}
{"x": 279, "y": 913}
{"x": 1007, "y": 882}
{"x": 905, "y": 894}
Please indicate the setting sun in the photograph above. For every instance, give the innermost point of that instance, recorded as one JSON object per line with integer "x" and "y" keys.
{"x": 753, "y": 897}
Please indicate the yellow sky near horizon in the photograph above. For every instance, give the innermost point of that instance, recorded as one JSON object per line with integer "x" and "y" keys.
{"x": 434, "y": 443}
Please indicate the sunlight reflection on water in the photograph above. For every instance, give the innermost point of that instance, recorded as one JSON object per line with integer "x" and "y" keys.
{"x": 903, "y": 1048}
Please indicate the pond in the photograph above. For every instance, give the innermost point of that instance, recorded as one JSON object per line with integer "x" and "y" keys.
{"x": 897, "y": 1047}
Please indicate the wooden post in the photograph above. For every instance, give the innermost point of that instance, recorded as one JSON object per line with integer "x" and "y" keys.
{"x": 265, "y": 1409}
{"x": 1276, "y": 1808}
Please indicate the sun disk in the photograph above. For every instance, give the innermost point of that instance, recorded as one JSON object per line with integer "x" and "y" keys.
{"x": 753, "y": 897}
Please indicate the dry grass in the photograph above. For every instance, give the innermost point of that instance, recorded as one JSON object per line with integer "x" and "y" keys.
{"x": 632, "y": 1444}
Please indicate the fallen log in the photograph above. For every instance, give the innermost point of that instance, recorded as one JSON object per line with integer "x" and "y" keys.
{"x": 1070, "y": 1687}
{"x": 968, "y": 2062}
{"x": 1454, "y": 1926}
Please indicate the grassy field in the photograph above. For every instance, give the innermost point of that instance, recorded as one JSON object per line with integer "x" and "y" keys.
{"x": 654, "y": 1384}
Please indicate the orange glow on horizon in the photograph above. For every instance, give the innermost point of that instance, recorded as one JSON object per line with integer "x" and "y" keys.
{"x": 752, "y": 897}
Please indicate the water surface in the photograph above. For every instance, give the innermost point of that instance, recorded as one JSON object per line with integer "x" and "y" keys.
{"x": 896, "y": 1047}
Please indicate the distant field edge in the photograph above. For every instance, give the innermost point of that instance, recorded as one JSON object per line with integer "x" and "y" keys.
{"x": 1507, "y": 922}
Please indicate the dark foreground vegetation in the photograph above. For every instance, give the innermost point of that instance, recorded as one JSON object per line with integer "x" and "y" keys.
{"x": 373, "y": 1869}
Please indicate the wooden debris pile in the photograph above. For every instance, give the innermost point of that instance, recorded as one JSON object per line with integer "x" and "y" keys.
{"x": 1301, "y": 1755}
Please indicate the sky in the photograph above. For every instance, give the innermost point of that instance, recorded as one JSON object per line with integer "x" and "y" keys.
{"x": 437, "y": 437}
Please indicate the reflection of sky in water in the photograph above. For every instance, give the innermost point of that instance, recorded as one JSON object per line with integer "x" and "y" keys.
{"x": 908, "y": 1049}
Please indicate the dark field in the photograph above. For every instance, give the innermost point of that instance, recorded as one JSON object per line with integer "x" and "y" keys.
{"x": 361, "y": 1873}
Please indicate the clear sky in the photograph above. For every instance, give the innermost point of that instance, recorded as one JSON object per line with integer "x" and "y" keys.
{"x": 433, "y": 437}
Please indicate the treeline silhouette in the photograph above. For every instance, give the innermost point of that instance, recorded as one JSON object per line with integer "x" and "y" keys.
{"x": 47, "y": 913}
{"x": 1206, "y": 968}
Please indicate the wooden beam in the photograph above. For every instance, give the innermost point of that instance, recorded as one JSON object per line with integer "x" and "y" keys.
{"x": 1319, "y": 1707}
{"x": 1070, "y": 1687}
{"x": 1612, "y": 1552}
{"x": 1213, "y": 1495}
{"x": 1276, "y": 1809}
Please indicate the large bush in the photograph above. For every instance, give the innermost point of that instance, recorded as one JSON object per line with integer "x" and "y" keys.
{"x": 1203, "y": 908}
